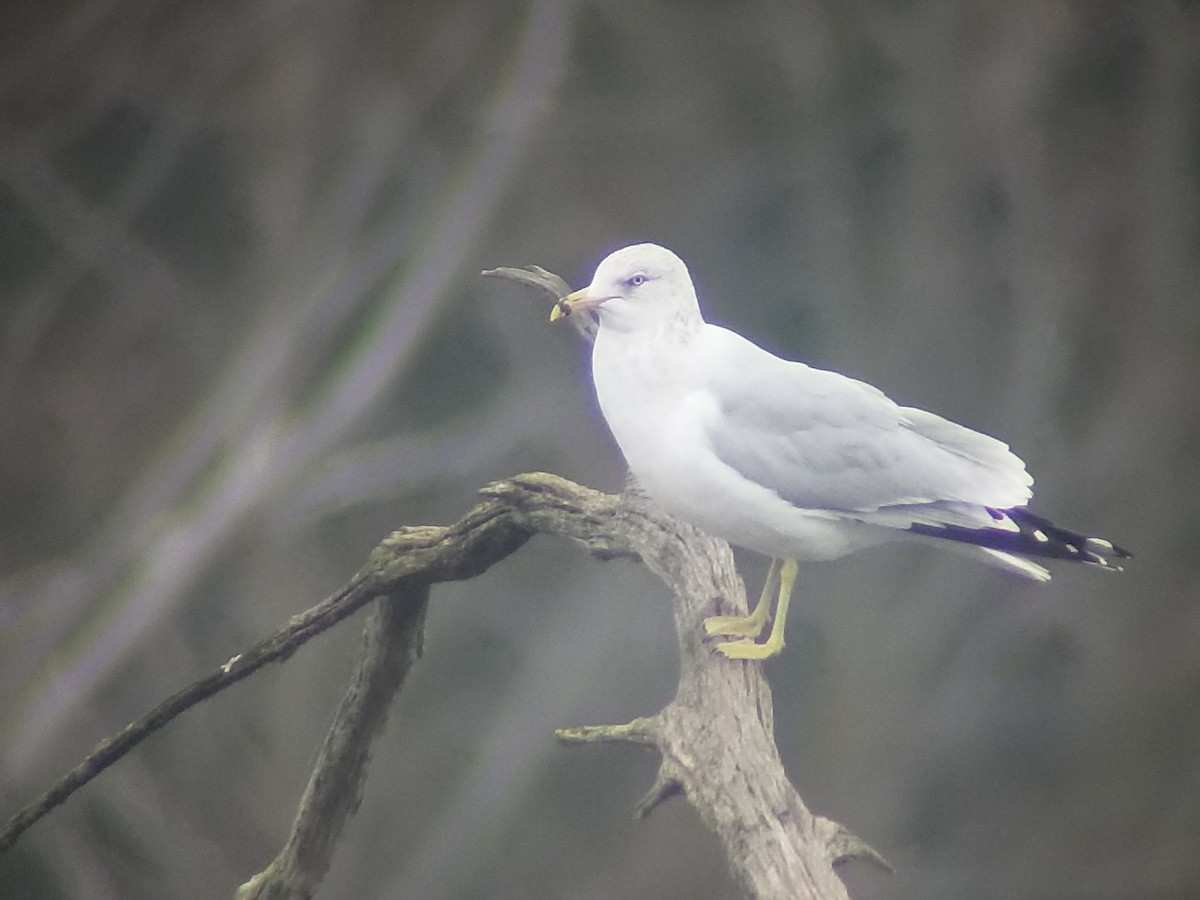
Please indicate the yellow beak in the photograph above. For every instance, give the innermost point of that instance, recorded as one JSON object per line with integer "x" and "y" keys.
{"x": 570, "y": 303}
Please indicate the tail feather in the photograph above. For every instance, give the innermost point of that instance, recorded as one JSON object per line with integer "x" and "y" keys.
{"x": 1018, "y": 532}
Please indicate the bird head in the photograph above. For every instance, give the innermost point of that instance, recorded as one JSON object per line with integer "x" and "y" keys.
{"x": 635, "y": 287}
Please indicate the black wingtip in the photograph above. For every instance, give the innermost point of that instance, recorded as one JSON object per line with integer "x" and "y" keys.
{"x": 1086, "y": 548}
{"x": 1023, "y": 533}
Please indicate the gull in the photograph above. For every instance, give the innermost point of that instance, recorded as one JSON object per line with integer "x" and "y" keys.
{"x": 790, "y": 461}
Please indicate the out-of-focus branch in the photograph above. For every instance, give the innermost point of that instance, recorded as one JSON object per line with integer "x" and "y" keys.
{"x": 159, "y": 540}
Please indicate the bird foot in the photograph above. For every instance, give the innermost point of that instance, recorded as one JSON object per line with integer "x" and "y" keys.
{"x": 748, "y": 649}
{"x": 734, "y": 626}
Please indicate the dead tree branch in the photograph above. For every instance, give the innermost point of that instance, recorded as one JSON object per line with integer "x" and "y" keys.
{"x": 715, "y": 737}
{"x": 391, "y": 644}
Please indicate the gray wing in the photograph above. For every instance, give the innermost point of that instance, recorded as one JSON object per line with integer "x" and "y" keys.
{"x": 826, "y": 442}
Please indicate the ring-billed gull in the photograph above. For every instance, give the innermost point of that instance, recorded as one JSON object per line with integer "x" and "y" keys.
{"x": 790, "y": 461}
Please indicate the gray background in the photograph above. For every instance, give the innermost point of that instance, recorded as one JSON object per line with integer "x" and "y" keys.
{"x": 242, "y": 336}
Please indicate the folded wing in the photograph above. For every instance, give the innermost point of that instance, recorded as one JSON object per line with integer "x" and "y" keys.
{"x": 825, "y": 442}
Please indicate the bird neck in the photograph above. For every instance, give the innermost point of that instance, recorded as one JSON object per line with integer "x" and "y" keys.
{"x": 646, "y": 360}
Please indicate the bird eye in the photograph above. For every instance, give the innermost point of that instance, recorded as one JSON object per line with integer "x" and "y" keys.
{"x": 636, "y": 280}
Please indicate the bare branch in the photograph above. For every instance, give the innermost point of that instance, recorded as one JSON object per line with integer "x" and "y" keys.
{"x": 715, "y": 737}
{"x": 391, "y": 644}
{"x": 277, "y": 647}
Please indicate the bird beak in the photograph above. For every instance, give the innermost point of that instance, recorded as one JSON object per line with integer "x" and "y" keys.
{"x": 574, "y": 302}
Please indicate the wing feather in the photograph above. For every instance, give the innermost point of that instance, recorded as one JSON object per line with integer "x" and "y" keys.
{"x": 826, "y": 442}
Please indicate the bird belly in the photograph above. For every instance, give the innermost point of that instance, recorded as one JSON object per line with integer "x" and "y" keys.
{"x": 748, "y": 515}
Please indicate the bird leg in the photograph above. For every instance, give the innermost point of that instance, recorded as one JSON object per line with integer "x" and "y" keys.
{"x": 750, "y": 626}
{"x": 746, "y": 648}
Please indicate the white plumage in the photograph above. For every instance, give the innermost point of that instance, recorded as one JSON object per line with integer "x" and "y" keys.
{"x": 794, "y": 462}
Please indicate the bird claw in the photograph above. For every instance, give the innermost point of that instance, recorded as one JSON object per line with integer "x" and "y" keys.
{"x": 748, "y": 649}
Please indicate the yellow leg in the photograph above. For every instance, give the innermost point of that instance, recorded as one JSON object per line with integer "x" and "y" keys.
{"x": 746, "y": 648}
{"x": 750, "y": 626}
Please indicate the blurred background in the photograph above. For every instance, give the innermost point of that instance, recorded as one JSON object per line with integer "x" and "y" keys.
{"x": 243, "y": 335}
